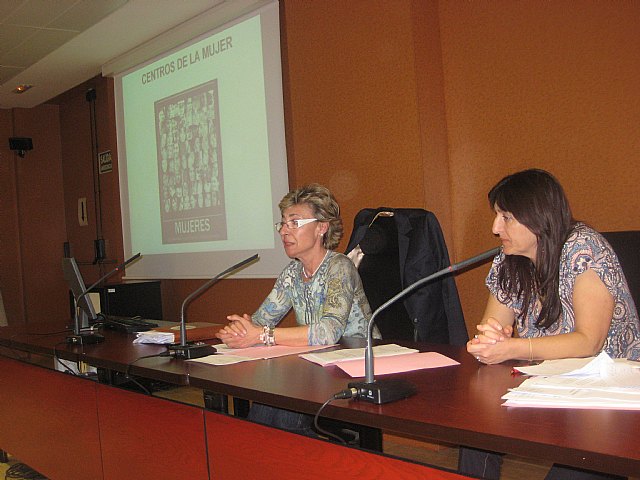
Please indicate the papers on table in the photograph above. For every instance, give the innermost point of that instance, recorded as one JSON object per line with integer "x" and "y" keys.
{"x": 397, "y": 363}
{"x": 152, "y": 336}
{"x": 595, "y": 382}
{"x": 601, "y": 365}
{"x": 264, "y": 352}
{"x": 228, "y": 356}
{"x": 222, "y": 359}
{"x": 336, "y": 356}
{"x": 171, "y": 333}
{"x": 390, "y": 358}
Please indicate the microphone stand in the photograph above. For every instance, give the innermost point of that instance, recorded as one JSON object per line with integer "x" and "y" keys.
{"x": 385, "y": 391}
{"x": 188, "y": 350}
{"x": 79, "y": 336}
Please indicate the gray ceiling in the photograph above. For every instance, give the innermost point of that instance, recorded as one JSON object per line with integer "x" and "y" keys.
{"x": 31, "y": 29}
{"x": 55, "y": 45}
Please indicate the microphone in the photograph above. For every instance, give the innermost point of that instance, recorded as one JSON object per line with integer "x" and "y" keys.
{"x": 80, "y": 337}
{"x": 386, "y": 391}
{"x": 189, "y": 350}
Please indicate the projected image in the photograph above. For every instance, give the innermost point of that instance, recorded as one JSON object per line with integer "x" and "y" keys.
{"x": 202, "y": 157}
{"x": 190, "y": 178}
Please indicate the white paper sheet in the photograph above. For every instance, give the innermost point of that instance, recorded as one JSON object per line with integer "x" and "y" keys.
{"x": 345, "y": 354}
{"x": 596, "y": 382}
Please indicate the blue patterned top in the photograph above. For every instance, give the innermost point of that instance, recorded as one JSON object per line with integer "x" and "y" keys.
{"x": 584, "y": 249}
{"x": 332, "y": 303}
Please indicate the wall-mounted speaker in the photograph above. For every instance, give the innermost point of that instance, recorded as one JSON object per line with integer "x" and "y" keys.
{"x": 20, "y": 144}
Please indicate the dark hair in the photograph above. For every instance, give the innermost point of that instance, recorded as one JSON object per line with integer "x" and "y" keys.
{"x": 537, "y": 200}
{"x": 324, "y": 206}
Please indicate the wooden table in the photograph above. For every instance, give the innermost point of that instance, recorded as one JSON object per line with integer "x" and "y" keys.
{"x": 459, "y": 405}
{"x": 69, "y": 427}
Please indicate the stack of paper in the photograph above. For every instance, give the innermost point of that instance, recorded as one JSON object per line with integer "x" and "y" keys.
{"x": 595, "y": 382}
{"x": 152, "y": 336}
{"x": 171, "y": 334}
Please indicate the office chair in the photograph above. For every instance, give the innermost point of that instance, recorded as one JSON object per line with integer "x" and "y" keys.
{"x": 626, "y": 244}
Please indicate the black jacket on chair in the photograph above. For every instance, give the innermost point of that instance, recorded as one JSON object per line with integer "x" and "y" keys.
{"x": 434, "y": 309}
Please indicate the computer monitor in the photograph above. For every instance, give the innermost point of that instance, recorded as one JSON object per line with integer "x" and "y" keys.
{"x": 73, "y": 277}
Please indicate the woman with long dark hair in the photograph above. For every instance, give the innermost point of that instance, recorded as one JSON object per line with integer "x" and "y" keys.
{"x": 559, "y": 284}
{"x": 557, "y": 281}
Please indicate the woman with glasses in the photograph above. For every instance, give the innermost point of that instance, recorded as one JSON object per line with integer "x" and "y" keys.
{"x": 322, "y": 286}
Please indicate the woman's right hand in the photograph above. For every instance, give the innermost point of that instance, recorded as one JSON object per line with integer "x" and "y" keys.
{"x": 489, "y": 333}
{"x": 240, "y": 332}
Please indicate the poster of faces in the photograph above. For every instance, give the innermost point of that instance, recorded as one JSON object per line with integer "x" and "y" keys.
{"x": 190, "y": 176}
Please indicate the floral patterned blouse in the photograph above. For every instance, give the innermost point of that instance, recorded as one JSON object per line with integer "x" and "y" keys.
{"x": 332, "y": 303}
{"x": 584, "y": 249}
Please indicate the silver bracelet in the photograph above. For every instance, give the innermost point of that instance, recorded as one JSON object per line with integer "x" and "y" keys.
{"x": 268, "y": 336}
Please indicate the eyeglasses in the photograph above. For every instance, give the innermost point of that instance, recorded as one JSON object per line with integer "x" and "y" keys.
{"x": 294, "y": 224}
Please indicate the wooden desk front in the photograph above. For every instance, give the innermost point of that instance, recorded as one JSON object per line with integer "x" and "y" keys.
{"x": 68, "y": 427}
{"x": 458, "y": 405}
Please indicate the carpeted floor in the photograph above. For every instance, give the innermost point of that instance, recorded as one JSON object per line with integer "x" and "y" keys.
{"x": 14, "y": 470}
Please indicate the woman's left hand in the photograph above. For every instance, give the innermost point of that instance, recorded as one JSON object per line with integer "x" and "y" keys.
{"x": 491, "y": 353}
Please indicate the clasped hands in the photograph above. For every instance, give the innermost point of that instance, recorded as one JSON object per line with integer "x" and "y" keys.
{"x": 240, "y": 332}
{"x": 491, "y": 344}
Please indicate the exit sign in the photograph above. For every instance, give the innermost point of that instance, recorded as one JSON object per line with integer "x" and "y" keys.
{"x": 105, "y": 162}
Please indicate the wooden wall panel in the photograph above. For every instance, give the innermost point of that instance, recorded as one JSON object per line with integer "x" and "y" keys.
{"x": 39, "y": 195}
{"x": 432, "y": 111}
{"x": 282, "y": 455}
{"x": 353, "y": 123}
{"x": 65, "y": 445}
{"x": 146, "y": 437}
{"x": 224, "y": 298}
{"x": 109, "y": 183}
{"x": 540, "y": 85}
{"x": 10, "y": 260}
{"x": 79, "y": 161}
